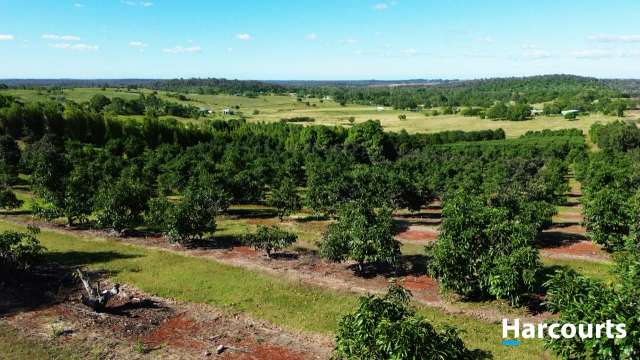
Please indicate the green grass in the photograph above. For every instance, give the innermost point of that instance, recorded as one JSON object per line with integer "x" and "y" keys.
{"x": 290, "y": 304}
{"x": 595, "y": 269}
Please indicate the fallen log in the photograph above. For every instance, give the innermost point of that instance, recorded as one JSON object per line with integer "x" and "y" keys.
{"x": 96, "y": 298}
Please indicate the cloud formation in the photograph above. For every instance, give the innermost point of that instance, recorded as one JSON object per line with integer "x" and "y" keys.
{"x": 380, "y": 6}
{"x": 312, "y": 37}
{"x": 244, "y": 36}
{"x": 180, "y": 50}
{"x": 6, "y": 37}
{"x": 78, "y": 5}
{"x": 138, "y": 44}
{"x": 79, "y": 47}
{"x": 61, "y": 37}
{"x": 615, "y": 38}
{"x": 536, "y": 54}
{"x": 138, "y": 3}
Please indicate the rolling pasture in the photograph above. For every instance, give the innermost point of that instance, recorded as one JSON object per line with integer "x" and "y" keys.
{"x": 272, "y": 108}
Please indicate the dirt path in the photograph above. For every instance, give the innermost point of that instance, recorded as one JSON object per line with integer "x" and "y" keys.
{"x": 137, "y": 324}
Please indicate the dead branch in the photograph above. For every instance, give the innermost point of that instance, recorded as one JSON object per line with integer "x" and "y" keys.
{"x": 96, "y": 299}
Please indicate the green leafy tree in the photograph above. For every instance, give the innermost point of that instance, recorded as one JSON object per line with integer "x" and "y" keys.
{"x": 10, "y": 156}
{"x": 482, "y": 252}
{"x": 608, "y": 215}
{"x": 8, "y": 199}
{"x": 582, "y": 300}
{"x": 388, "y": 328}
{"x": 285, "y": 198}
{"x": 120, "y": 202}
{"x": 270, "y": 238}
{"x": 20, "y": 250}
{"x": 193, "y": 215}
{"x": 363, "y": 234}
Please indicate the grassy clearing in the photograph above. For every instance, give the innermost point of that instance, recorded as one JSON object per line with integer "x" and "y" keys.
{"x": 289, "y": 304}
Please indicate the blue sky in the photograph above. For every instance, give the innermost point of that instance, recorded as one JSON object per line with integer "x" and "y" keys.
{"x": 309, "y": 39}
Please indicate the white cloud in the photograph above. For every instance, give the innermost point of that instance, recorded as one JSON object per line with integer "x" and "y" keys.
{"x": 229, "y": 49}
{"x": 6, "y": 37}
{"x": 615, "y": 38}
{"x": 61, "y": 37}
{"x": 244, "y": 37}
{"x": 594, "y": 54}
{"x": 138, "y": 44}
{"x": 380, "y": 6}
{"x": 312, "y": 37}
{"x": 79, "y": 47}
{"x": 138, "y": 3}
{"x": 536, "y": 54}
{"x": 179, "y": 49}
{"x": 78, "y": 5}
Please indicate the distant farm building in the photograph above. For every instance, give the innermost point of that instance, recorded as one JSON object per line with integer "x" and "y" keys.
{"x": 227, "y": 111}
{"x": 536, "y": 112}
{"x": 380, "y": 108}
{"x": 573, "y": 111}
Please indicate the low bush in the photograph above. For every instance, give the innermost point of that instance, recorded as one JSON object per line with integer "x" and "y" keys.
{"x": 20, "y": 250}
{"x": 388, "y": 328}
{"x": 270, "y": 238}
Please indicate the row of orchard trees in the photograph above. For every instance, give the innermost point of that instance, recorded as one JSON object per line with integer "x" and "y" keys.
{"x": 610, "y": 179}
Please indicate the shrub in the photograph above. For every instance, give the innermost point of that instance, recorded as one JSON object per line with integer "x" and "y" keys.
{"x": 8, "y": 199}
{"x": 270, "y": 238}
{"x": 387, "y": 328}
{"x": 20, "y": 250}
{"x": 362, "y": 234}
{"x": 190, "y": 218}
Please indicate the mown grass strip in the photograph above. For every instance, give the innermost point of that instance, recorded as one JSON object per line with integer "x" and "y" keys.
{"x": 289, "y": 304}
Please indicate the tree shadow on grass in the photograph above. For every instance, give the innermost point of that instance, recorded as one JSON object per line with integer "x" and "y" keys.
{"x": 554, "y": 239}
{"x": 409, "y": 265}
{"x": 216, "y": 242}
{"x": 15, "y": 212}
{"x": 83, "y": 258}
{"x": 258, "y": 213}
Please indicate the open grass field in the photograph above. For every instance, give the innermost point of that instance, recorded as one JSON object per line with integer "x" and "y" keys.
{"x": 272, "y": 108}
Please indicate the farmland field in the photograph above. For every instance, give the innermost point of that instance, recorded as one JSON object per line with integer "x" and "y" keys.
{"x": 273, "y": 108}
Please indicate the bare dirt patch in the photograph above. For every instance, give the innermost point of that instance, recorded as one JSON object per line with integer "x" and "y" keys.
{"x": 417, "y": 236}
{"x": 135, "y": 323}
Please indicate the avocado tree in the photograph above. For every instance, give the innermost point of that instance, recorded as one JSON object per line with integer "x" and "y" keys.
{"x": 388, "y": 328}
{"x": 285, "y": 198}
{"x": 270, "y": 238}
{"x": 363, "y": 234}
{"x": 482, "y": 252}
{"x": 20, "y": 250}
{"x": 192, "y": 216}
{"x": 120, "y": 202}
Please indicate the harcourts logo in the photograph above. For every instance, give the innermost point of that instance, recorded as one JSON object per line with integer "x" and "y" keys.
{"x": 514, "y": 330}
